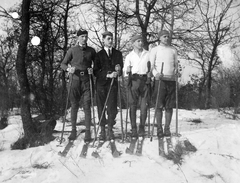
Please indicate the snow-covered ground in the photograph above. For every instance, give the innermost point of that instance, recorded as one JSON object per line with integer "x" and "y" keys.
{"x": 217, "y": 158}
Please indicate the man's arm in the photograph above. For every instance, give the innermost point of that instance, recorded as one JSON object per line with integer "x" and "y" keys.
{"x": 67, "y": 59}
{"x": 152, "y": 59}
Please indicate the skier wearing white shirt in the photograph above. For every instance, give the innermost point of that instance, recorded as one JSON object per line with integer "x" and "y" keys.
{"x": 166, "y": 54}
{"x": 136, "y": 63}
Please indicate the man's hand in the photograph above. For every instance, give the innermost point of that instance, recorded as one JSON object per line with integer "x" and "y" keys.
{"x": 117, "y": 68}
{"x": 71, "y": 70}
{"x": 158, "y": 76}
{"x": 112, "y": 75}
{"x": 149, "y": 74}
{"x": 90, "y": 70}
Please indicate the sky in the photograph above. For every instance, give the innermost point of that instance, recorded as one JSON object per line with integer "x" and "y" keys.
{"x": 8, "y": 3}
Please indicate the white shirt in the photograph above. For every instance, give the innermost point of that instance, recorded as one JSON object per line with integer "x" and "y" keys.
{"x": 163, "y": 54}
{"x": 106, "y": 49}
{"x": 138, "y": 63}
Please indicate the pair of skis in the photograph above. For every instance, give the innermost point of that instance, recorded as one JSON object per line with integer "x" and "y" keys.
{"x": 69, "y": 145}
{"x": 135, "y": 141}
{"x": 165, "y": 147}
{"x": 114, "y": 151}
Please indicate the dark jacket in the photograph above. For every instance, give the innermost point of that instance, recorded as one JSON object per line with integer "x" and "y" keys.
{"x": 80, "y": 58}
{"x": 103, "y": 65}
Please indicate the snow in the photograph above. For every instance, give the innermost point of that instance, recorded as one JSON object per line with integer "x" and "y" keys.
{"x": 217, "y": 158}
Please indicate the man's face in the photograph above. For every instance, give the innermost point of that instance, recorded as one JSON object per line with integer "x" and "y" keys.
{"x": 138, "y": 44}
{"x": 164, "y": 39}
{"x": 108, "y": 41}
{"x": 82, "y": 39}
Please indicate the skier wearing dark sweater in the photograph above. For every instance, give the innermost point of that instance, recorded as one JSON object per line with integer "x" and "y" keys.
{"x": 78, "y": 62}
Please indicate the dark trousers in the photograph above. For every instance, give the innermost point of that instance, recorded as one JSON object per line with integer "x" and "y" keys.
{"x": 167, "y": 94}
{"x": 80, "y": 89}
{"x": 138, "y": 90}
{"x": 111, "y": 107}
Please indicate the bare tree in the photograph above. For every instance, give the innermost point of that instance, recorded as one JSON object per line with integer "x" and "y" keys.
{"x": 28, "y": 126}
{"x": 218, "y": 28}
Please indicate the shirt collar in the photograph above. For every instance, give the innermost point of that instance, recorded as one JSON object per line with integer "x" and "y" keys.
{"x": 106, "y": 49}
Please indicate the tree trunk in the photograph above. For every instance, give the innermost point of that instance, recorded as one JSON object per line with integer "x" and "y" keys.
{"x": 208, "y": 89}
{"x": 21, "y": 70}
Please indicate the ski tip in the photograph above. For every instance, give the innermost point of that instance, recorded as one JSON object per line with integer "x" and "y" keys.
{"x": 95, "y": 154}
{"x": 138, "y": 154}
{"x": 116, "y": 154}
{"x": 128, "y": 151}
{"x": 61, "y": 154}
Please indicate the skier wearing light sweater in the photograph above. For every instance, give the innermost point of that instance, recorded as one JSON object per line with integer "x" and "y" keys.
{"x": 164, "y": 63}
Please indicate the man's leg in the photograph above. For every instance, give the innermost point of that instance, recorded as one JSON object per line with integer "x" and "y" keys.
{"x": 132, "y": 113}
{"x": 74, "y": 111}
{"x": 133, "y": 100}
{"x": 87, "y": 110}
{"x": 74, "y": 99}
{"x": 168, "y": 119}
{"x": 170, "y": 104}
{"x": 159, "y": 114}
{"x": 101, "y": 97}
{"x": 112, "y": 110}
{"x": 143, "y": 106}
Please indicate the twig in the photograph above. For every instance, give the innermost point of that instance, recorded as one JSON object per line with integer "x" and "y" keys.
{"x": 77, "y": 165}
{"x": 11, "y": 177}
{"x": 182, "y": 172}
{"x": 226, "y": 155}
{"x": 68, "y": 168}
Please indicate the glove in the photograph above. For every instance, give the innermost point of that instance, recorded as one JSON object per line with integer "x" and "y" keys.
{"x": 90, "y": 70}
{"x": 112, "y": 75}
{"x": 158, "y": 76}
{"x": 71, "y": 70}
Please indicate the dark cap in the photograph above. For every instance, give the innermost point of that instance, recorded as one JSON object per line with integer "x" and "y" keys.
{"x": 107, "y": 33}
{"x": 81, "y": 32}
{"x": 136, "y": 37}
{"x": 163, "y": 32}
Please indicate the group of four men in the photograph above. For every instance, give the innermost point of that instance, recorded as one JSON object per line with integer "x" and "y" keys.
{"x": 107, "y": 66}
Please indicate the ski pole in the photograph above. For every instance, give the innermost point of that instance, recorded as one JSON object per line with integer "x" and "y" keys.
{"x": 158, "y": 91}
{"x": 177, "y": 100}
{"x": 128, "y": 90}
{"x": 92, "y": 102}
{"x": 120, "y": 102}
{"x": 65, "y": 111}
{"x": 104, "y": 107}
{"x": 126, "y": 114}
{"x": 149, "y": 90}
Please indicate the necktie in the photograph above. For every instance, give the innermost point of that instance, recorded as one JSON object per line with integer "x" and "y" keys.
{"x": 109, "y": 52}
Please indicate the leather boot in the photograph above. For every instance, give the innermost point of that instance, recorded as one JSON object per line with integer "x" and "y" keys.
{"x": 74, "y": 111}
{"x": 159, "y": 114}
{"x": 143, "y": 117}
{"x": 73, "y": 135}
{"x": 110, "y": 133}
{"x": 132, "y": 113}
{"x": 141, "y": 131}
{"x": 87, "y": 137}
{"x": 102, "y": 136}
{"x": 168, "y": 119}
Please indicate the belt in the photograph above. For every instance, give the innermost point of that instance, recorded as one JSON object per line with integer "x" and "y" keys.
{"x": 81, "y": 73}
{"x": 140, "y": 75}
